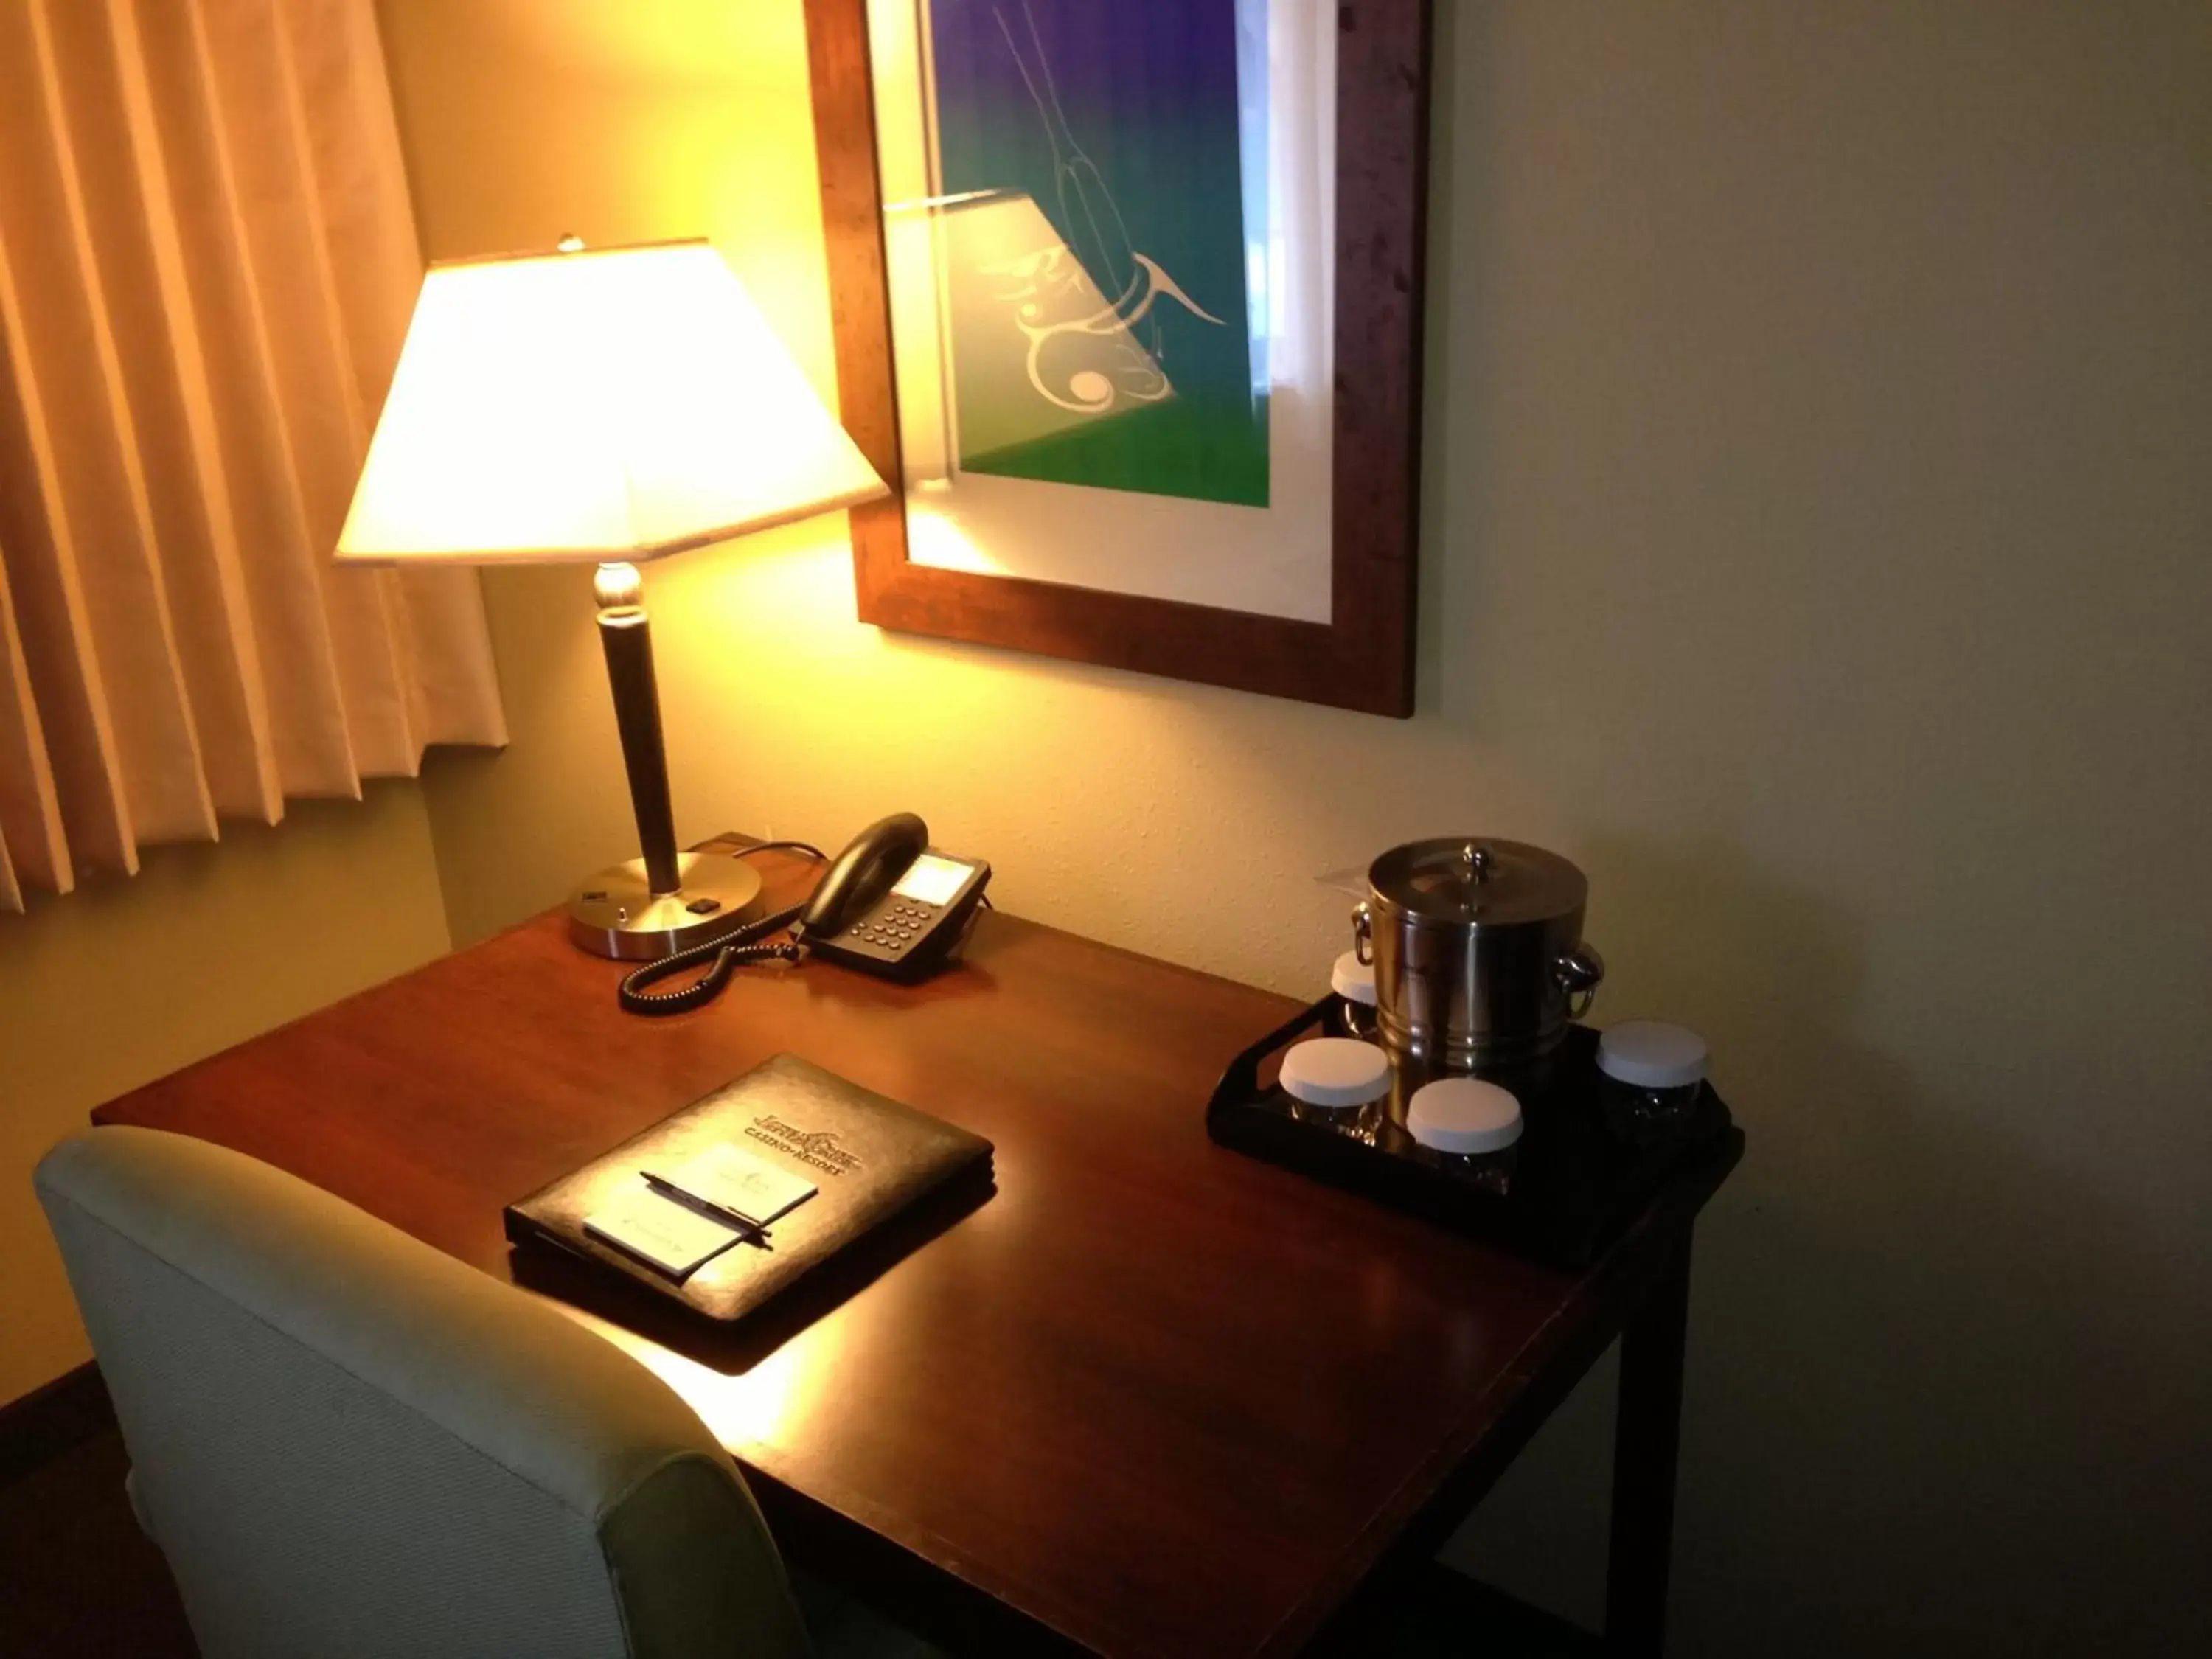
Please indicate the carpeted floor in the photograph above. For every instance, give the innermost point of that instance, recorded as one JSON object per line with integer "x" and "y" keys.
{"x": 76, "y": 1575}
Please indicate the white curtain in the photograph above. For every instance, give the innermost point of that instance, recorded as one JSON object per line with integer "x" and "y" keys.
{"x": 207, "y": 264}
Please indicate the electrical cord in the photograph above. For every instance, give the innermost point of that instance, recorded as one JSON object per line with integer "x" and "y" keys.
{"x": 725, "y": 954}
{"x": 805, "y": 846}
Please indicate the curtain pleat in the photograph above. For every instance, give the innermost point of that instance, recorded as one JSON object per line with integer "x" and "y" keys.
{"x": 31, "y": 842}
{"x": 207, "y": 263}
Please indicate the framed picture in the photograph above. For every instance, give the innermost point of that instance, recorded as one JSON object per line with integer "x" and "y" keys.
{"x": 1128, "y": 302}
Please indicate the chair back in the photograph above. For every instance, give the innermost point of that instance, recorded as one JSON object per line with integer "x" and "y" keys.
{"x": 348, "y": 1443}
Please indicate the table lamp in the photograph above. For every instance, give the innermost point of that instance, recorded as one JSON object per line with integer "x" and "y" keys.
{"x": 610, "y": 407}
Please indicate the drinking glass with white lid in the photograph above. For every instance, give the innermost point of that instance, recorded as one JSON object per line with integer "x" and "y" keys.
{"x": 1655, "y": 1076}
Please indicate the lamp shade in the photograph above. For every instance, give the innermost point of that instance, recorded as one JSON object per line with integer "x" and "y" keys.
{"x": 607, "y": 405}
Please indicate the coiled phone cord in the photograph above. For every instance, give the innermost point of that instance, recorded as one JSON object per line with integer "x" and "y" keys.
{"x": 730, "y": 952}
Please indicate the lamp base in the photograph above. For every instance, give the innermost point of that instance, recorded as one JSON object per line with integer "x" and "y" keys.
{"x": 616, "y": 912}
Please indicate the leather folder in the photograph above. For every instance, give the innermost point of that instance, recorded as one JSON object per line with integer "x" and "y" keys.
{"x": 869, "y": 1158}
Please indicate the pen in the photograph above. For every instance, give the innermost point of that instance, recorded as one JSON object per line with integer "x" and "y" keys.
{"x": 692, "y": 1200}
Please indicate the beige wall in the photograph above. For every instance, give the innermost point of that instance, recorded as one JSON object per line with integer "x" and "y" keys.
{"x": 1815, "y": 547}
{"x": 124, "y": 981}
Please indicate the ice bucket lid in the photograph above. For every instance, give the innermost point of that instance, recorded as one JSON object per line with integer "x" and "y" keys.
{"x": 1462, "y": 879}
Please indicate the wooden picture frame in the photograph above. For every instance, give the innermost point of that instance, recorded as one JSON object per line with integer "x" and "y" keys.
{"x": 1363, "y": 658}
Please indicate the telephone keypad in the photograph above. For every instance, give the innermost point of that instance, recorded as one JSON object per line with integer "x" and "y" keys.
{"x": 894, "y": 927}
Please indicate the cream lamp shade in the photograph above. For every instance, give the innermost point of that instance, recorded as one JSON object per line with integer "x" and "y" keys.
{"x": 605, "y": 406}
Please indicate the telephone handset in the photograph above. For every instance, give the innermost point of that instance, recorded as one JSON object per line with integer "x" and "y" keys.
{"x": 863, "y": 872}
{"x": 888, "y": 905}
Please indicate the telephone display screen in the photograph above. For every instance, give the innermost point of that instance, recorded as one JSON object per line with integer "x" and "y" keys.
{"x": 931, "y": 880}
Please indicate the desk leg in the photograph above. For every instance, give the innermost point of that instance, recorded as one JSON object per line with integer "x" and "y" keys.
{"x": 1646, "y": 1428}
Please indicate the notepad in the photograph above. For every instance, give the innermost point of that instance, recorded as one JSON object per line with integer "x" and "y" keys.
{"x": 730, "y": 1180}
{"x": 659, "y": 1232}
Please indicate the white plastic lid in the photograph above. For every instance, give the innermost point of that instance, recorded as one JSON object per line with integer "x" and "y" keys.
{"x": 1352, "y": 979}
{"x": 1335, "y": 1071}
{"x": 1459, "y": 1115}
{"x": 1649, "y": 1055}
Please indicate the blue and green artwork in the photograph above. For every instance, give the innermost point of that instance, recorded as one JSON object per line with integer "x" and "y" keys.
{"x": 1101, "y": 168}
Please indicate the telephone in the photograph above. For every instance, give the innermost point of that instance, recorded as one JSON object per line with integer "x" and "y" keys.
{"x": 889, "y": 904}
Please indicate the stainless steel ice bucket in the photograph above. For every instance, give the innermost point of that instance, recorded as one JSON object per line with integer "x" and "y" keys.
{"x": 1478, "y": 950}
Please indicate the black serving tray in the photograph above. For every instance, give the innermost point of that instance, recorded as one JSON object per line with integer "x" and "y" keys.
{"x": 1575, "y": 1180}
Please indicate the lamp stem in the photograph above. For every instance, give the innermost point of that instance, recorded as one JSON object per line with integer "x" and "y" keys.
{"x": 627, "y": 638}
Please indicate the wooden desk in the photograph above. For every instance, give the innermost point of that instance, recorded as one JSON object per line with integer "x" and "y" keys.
{"x": 1153, "y": 1398}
